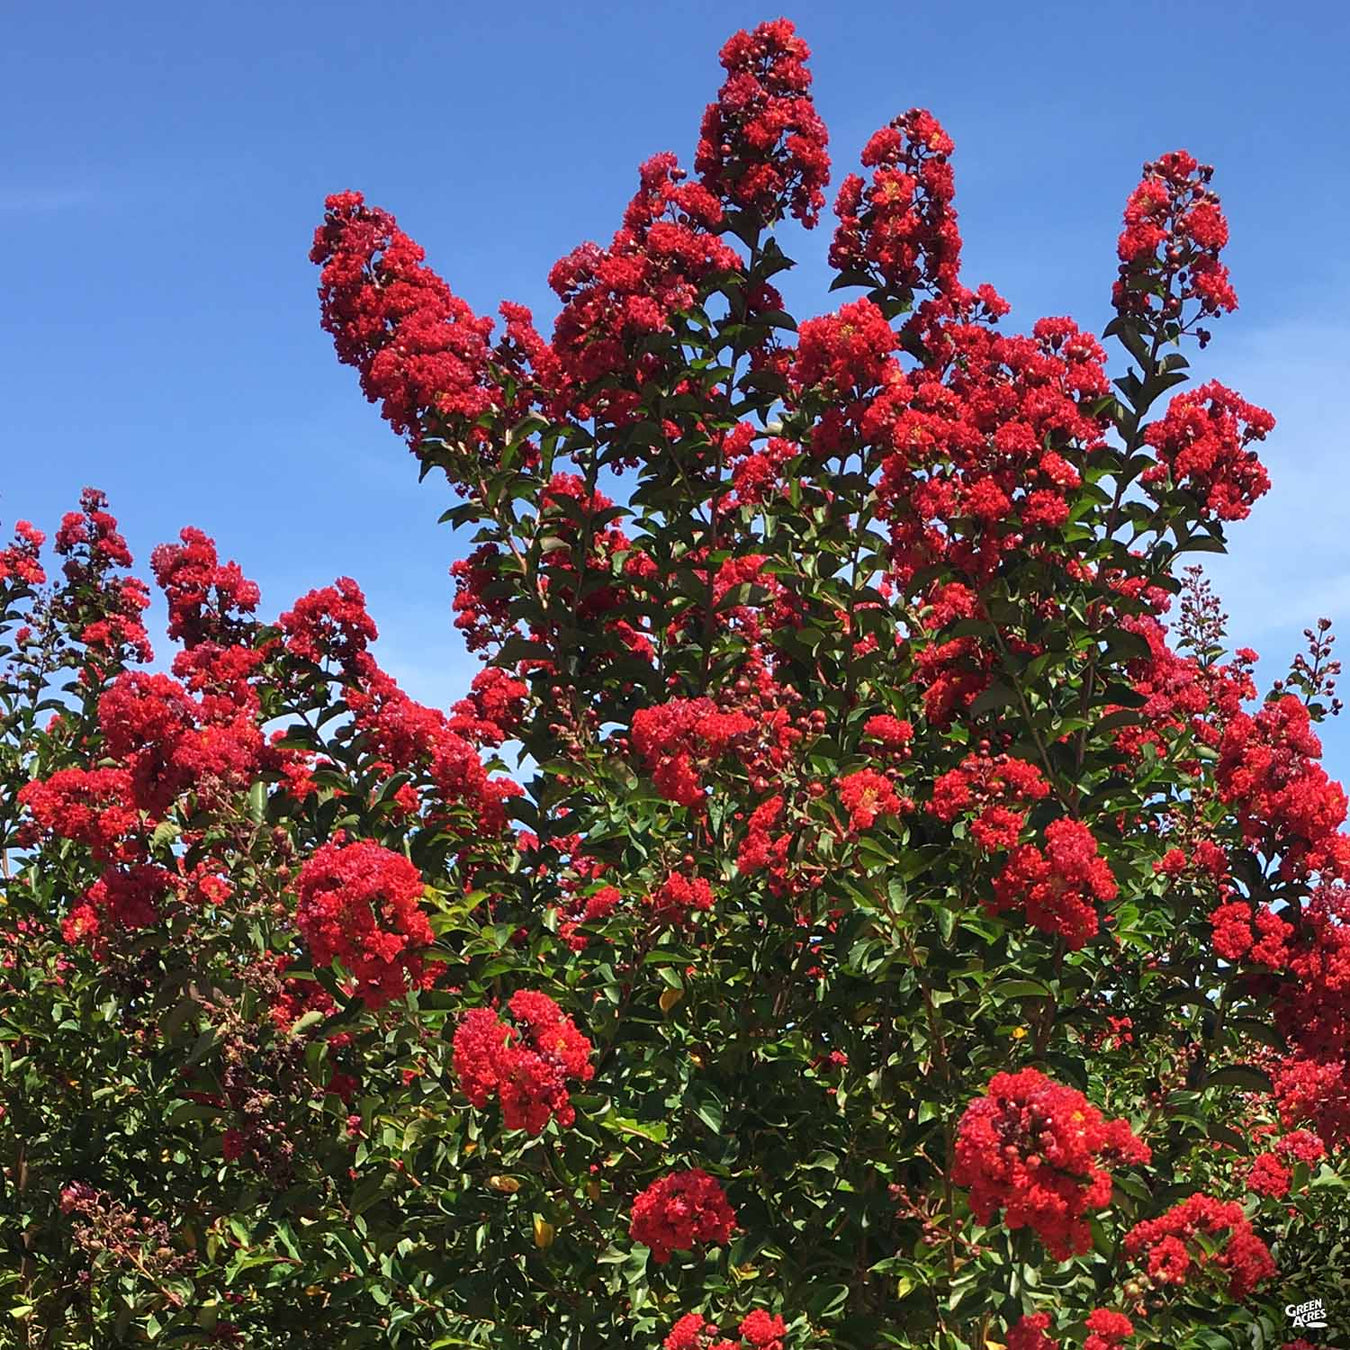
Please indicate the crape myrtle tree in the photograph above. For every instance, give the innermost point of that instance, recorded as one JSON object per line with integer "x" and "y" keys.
{"x": 860, "y": 902}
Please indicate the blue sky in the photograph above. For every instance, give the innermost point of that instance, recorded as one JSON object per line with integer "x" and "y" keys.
{"x": 165, "y": 165}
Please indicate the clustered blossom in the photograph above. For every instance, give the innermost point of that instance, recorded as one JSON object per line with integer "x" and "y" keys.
{"x": 20, "y": 561}
{"x": 763, "y": 146}
{"x": 207, "y": 598}
{"x": 1174, "y": 1256}
{"x": 1030, "y": 1333}
{"x": 680, "y": 1211}
{"x": 359, "y": 904}
{"x": 1268, "y": 773}
{"x": 989, "y": 789}
{"x": 1271, "y": 1172}
{"x": 421, "y": 350}
{"x": 172, "y": 741}
{"x": 980, "y": 457}
{"x": 612, "y": 298}
{"x": 101, "y": 609}
{"x": 678, "y": 897}
{"x": 1169, "y": 248}
{"x": 1035, "y": 1149}
{"x": 122, "y": 899}
{"x": 90, "y": 806}
{"x": 1312, "y": 1083}
{"x": 865, "y": 795}
{"x": 679, "y": 738}
{"x": 1057, "y": 885}
{"x": 526, "y": 1066}
{"x": 1203, "y": 443}
{"x": 1260, "y": 936}
{"x": 758, "y": 1329}
{"x": 1109, "y": 1329}
{"x": 899, "y": 229}
{"x": 331, "y": 624}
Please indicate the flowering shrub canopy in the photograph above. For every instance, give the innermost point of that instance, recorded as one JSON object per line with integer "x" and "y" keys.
{"x": 860, "y": 901}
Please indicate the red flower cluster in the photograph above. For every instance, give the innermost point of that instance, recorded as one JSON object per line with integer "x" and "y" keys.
{"x": 678, "y": 1212}
{"x": 331, "y": 624}
{"x": 762, "y": 849}
{"x": 410, "y": 737}
{"x": 1268, "y": 772}
{"x": 90, "y": 806}
{"x": 1058, "y": 885}
{"x": 525, "y": 1066}
{"x": 122, "y": 898}
{"x": 1312, "y": 1084}
{"x": 865, "y": 795}
{"x": 678, "y": 897}
{"x": 1264, "y": 937}
{"x": 172, "y": 742}
{"x": 1109, "y": 1329}
{"x": 20, "y": 561}
{"x": 104, "y": 611}
{"x": 763, "y": 146}
{"x": 759, "y": 1331}
{"x": 899, "y": 231}
{"x": 680, "y": 737}
{"x": 421, "y": 351}
{"x": 207, "y": 598}
{"x": 359, "y": 904}
{"x": 1172, "y": 1250}
{"x": 1174, "y": 232}
{"x": 989, "y": 788}
{"x": 1203, "y": 443}
{"x": 612, "y": 298}
{"x": 986, "y": 458}
{"x": 1029, "y": 1333}
{"x": 1035, "y": 1148}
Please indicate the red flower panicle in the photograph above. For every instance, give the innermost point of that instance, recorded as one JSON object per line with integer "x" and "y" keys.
{"x": 20, "y": 561}
{"x": 763, "y": 146}
{"x": 526, "y": 1066}
{"x": 899, "y": 230}
{"x": 1109, "y": 1329}
{"x": 1169, "y": 248}
{"x": 680, "y": 737}
{"x": 1175, "y": 1256}
{"x": 359, "y": 904}
{"x": 421, "y": 351}
{"x": 679, "y": 1212}
{"x": 1030, "y": 1333}
{"x": 1057, "y": 885}
{"x": 207, "y": 598}
{"x": 1035, "y": 1149}
{"x": 1203, "y": 445}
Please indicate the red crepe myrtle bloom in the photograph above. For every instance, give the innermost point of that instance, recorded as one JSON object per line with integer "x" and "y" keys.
{"x": 1034, "y": 1149}
{"x": 679, "y": 1212}
{"x": 865, "y": 795}
{"x": 1108, "y": 1329}
{"x": 1169, "y": 248}
{"x": 1057, "y": 885}
{"x": 763, "y": 146}
{"x": 422, "y": 352}
{"x": 900, "y": 229}
{"x": 526, "y": 1066}
{"x": 1202, "y": 442}
{"x": 1174, "y": 1257}
{"x": 1029, "y": 1333}
{"x": 359, "y": 904}
{"x": 19, "y": 562}
{"x": 678, "y": 737}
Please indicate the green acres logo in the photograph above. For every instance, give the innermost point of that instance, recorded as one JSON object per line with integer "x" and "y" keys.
{"x": 1313, "y": 1313}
